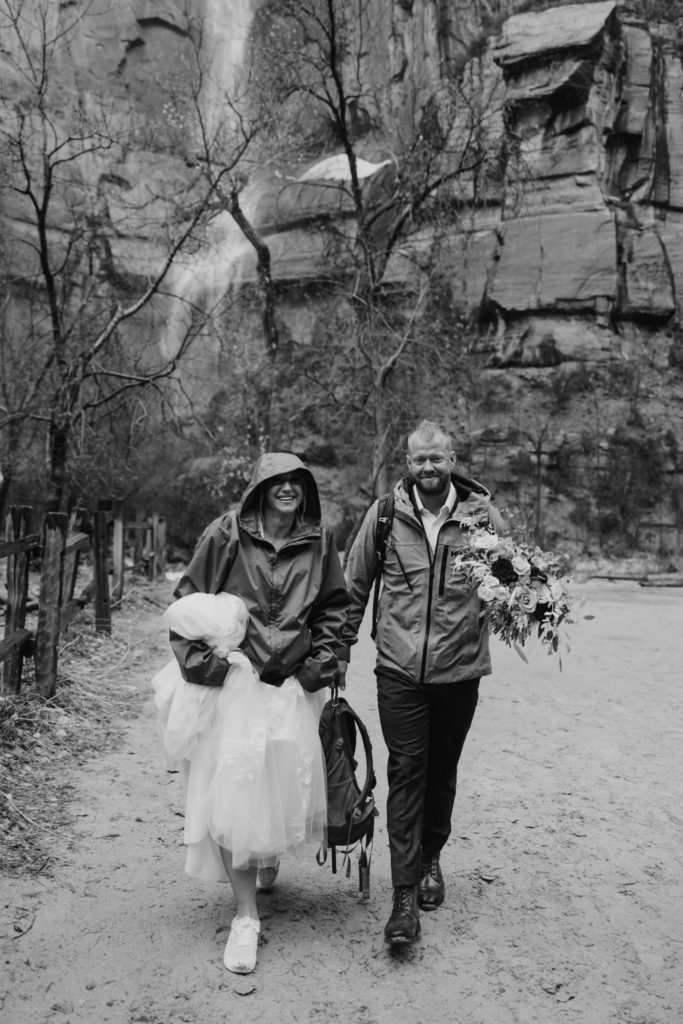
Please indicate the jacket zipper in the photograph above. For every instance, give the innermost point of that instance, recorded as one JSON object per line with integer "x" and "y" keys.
{"x": 442, "y": 580}
{"x": 442, "y": 575}
{"x": 429, "y": 604}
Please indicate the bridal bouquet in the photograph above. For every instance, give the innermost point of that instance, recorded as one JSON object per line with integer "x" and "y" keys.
{"x": 525, "y": 589}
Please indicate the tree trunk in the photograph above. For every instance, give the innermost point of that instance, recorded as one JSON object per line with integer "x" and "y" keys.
{"x": 5, "y": 483}
{"x": 58, "y": 449}
{"x": 539, "y": 498}
{"x": 47, "y": 632}
{"x": 7, "y": 469}
{"x": 382, "y": 427}
{"x": 267, "y": 386}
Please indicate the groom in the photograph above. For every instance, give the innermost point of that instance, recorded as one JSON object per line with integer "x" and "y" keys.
{"x": 432, "y": 650}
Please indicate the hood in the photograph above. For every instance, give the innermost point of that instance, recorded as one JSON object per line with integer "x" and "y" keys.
{"x": 274, "y": 464}
{"x": 464, "y": 487}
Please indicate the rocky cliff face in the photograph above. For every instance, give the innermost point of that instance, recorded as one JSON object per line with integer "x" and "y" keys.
{"x": 595, "y": 97}
{"x": 591, "y": 227}
{"x": 574, "y": 268}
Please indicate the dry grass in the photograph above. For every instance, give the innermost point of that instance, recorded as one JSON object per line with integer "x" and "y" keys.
{"x": 43, "y": 742}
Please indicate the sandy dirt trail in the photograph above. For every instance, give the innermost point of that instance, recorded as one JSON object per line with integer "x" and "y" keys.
{"x": 564, "y": 892}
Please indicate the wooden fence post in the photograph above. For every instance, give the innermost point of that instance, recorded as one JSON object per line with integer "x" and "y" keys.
{"x": 118, "y": 552}
{"x": 79, "y": 540}
{"x": 155, "y": 545}
{"x": 72, "y": 555}
{"x": 150, "y": 553}
{"x": 138, "y": 542}
{"x": 49, "y": 606}
{"x": 102, "y": 600}
{"x": 159, "y": 545}
{"x": 17, "y": 594}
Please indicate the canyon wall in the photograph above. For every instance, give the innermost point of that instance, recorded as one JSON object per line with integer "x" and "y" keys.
{"x": 591, "y": 229}
{"x": 593, "y": 96}
{"x": 573, "y": 268}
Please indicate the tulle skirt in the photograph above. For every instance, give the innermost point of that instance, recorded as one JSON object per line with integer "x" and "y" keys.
{"x": 251, "y": 765}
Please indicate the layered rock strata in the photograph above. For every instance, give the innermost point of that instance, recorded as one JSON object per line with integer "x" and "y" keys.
{"x": 590, "y": 226}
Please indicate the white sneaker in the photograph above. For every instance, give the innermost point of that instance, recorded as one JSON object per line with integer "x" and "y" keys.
{"x": 265, "y": 877}
{"x": 240, "y": 949}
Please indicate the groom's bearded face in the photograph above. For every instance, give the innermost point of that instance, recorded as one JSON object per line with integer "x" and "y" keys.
{"x": 430, "y": 465}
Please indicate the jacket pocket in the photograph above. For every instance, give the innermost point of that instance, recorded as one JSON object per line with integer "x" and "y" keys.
{"x": 282, "y": 663}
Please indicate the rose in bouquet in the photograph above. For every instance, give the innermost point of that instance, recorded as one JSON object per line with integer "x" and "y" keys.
{"x": 525, "y": 590}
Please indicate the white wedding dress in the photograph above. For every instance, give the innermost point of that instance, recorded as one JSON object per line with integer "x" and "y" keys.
{"x": 249, "y": 753}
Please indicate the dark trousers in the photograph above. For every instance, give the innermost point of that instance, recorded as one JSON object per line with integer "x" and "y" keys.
{"x": 424, "y": 728}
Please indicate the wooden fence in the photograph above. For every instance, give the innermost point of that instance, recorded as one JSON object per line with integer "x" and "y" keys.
{"x": 60, "y": 547}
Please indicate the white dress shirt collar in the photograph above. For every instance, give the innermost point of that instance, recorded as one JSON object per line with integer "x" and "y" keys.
{"x": 433, "y": 521}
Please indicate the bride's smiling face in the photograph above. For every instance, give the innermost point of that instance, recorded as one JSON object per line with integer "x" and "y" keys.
{"x": 284, "y": 494}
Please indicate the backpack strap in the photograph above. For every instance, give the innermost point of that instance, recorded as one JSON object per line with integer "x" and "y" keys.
{"x": 346, "y": 730}
{"x": 385, "y": 517}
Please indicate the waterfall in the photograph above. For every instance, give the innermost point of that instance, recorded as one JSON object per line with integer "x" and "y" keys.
{"x": 227, "y": 24}
{"x": 204, "y": 278}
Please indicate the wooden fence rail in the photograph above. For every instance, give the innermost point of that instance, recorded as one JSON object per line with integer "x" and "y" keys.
{"x": 60, "y": 545}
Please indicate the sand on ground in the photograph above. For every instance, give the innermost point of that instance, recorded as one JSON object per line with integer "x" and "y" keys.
{"x": 564, "y": 893}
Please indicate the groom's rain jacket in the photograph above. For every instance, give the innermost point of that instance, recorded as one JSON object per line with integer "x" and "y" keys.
{"x": 431, "y": 626}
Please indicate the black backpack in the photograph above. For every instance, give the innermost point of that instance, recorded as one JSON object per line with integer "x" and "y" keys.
{"x": 351, "y": 810}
